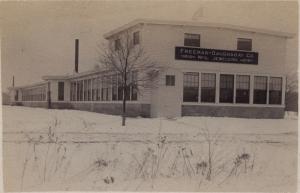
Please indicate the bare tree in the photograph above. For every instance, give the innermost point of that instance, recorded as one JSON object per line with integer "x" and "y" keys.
{"x": 126, "y": 59}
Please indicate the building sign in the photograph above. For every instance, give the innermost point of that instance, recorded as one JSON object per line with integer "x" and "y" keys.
{"x": 213, "y": 55}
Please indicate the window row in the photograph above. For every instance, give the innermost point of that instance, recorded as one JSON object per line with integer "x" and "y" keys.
{"x": 34, "y": 94}
{"x": 207, "y": 89}
{"x": 104, "y": 88}
{"x": 194, "y": 41}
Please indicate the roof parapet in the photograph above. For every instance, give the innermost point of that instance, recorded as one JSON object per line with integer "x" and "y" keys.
{"x": 197, "y": 24}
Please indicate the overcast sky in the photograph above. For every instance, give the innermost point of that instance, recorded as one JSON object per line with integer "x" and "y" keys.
{"x": 38, "y": 37}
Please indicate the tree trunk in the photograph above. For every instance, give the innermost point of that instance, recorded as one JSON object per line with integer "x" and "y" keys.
{"x": 124, "y": 106}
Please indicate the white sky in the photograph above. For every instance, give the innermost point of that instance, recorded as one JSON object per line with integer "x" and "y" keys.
{"x": 38, "y": 37}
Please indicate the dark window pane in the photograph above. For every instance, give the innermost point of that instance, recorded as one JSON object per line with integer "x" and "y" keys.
{"x": 190, "y": 87}
{"x": 242, "y": 88}
{"x": 104, "y": 88}
{"x": 244, "y": 44}
{"x": 134, "y": 87}
{"x": 85, "y": 86}
{"x": 117, "y": 44}
{"x": 98, "y": 94}
{"x": 136, "y": 38}
{"x": 89, "y": 89}
{"x": 61, "y": 91}
{"x": 134, "y": 93}
{"x": 127, "y": 93}
{"x": 170, "y": 80}
{"x": 260, "y": 90}
{"x": 226, "y": 88}
{"x": 242, "y": 96}
{"x": 260, "y": 97}
{"x": 16, "y": 95}
{"x": 192, "y": 40}
{"x": 114, "y": 87}
{"x": 208, "y": 87}
{"x": 275, "y": 90}
{"x": 120, "y": 88}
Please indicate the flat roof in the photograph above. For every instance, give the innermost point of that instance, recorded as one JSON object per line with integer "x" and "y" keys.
{"x": 32, "y": 85}
{"x": 197, "y": 24}
{"x": 60, "y": 77}
{"x": 73, "y": 76}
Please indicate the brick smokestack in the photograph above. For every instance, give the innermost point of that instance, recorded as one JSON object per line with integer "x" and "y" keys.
{"x": 76, "y": 55}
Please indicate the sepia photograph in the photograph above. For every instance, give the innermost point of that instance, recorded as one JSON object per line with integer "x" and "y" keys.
{"x": 156, "y": 96}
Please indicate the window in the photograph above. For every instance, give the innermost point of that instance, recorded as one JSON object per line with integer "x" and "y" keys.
{"x": 275, "y": 90}
{"x": 226, "y": 88}
{"x": 98, "y": 98}
{"x": 170, "y": 80}
{"x": 114, "y": 87}
{"x": 190, "y": 87}
{"x": 105, "y": 88}
{"x": 260, "y": 90}
{"x": 85, "y": 90}
{"x": 94, "y": 89}
{"x": 61, "y": 91}
{"x": 192, "y": 40}
{"x": 208, "y": 87}
{"x": 242, "y": 89}
{"x": 16, "y": 95}
{"x": 117, "y": 44}
{"x": 244, "y": 44}
{"x": 134, "y": 87}
{"x": 80, "y": 90}
{"x": 127, "y": 87}
{"x": 72, "y": 91}
{"x": 136, "y": 38}
{"x": 120, "y": 88}
{"x": 78, "y": 87}
{"x": 89, "y": 96}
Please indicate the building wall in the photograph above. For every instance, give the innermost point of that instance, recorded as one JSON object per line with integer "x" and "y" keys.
{"x": 5, "y": 98}
{"x": 159, "y": 42}
{"x": 42, "y": 104}
{"x": 132, "y": 109}
{"x": 271, "y": 49}
{"x": 231, "y": 111}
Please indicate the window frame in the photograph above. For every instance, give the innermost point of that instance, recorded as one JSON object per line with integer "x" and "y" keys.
{"x": 204, "y": 88}
{"x": 136, "y": 38}
{"x": 271, "y": 90}
{"x": 228, "y": 88}
{"x": 195, "y": 85}
{"x": 117, "y": 44}
{"x": 238, "y": 99}
{"x": 170, "y": 80}
{"x": 61, "y": 91}
{"x": 256, "y": 90}
{"x": 189, "y": 42}
{"x": 244, "y": 40}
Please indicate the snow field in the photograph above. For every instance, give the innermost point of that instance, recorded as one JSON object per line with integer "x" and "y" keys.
{"x": 88, "y": 151}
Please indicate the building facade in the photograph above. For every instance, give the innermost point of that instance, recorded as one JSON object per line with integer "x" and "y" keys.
{"x": 209, "y": 70}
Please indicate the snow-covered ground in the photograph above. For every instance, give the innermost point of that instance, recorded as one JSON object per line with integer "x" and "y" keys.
{"x": 78, "y": 150}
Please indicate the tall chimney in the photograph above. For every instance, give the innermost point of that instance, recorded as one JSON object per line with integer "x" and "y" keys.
{"x": 76, "y": 54}
{"x": 13, "y": 81}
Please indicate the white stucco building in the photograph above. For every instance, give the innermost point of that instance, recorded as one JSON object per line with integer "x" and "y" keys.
{"x": 210, "y": 69}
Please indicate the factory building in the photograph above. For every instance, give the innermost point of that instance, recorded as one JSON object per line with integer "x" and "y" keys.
{"x": 210, "y": 69}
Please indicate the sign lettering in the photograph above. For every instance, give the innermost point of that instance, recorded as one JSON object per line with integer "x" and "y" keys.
{"x": 214, "y": 55}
